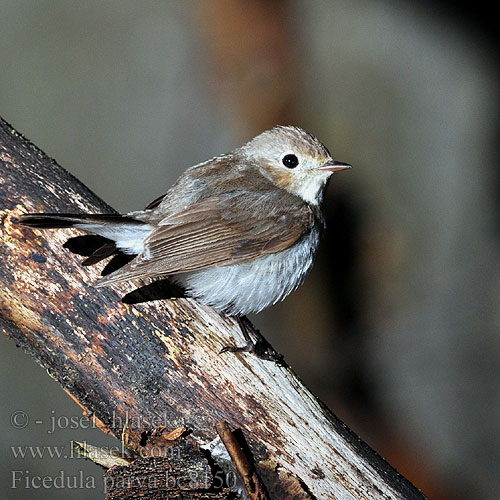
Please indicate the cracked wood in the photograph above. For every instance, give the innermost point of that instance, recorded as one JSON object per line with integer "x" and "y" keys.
{"x": 156, "y": 364}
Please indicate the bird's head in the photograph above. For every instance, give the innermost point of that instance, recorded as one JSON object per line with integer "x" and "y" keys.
{"x": 294, "y": 160}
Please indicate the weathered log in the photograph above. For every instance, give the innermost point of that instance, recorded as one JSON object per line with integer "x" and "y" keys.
{"x": 156, "y": 365}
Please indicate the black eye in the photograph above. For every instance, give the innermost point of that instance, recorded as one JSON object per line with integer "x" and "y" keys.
{"x": 290, "y": 161}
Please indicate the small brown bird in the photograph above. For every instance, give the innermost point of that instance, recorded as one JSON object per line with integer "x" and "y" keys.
{"x": 238, "y": 232}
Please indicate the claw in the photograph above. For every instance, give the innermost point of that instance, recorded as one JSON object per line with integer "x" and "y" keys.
{"x": 260, "y": 347}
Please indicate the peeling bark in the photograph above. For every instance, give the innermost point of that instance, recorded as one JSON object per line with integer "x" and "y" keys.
{"x": 155, "y": 365}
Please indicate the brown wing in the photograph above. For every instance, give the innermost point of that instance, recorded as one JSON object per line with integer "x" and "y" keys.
{"x": 229, "y": 229}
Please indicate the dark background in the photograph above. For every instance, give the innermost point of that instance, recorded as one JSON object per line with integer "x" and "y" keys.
{"x": 397, "y": 329}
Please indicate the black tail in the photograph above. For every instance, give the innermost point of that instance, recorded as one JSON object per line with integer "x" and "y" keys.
{"x": 92, "y": 246}
{"x": 96, "y": 248}
{"x": 48, "y": 221}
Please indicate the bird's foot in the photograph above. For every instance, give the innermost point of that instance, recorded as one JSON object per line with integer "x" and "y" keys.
{"x": 261, "y": 350}
{"x": 260, "y": 347}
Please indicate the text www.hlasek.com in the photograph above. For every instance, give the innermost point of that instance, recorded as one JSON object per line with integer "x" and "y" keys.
{"x": 61, "y": 479}
{"x": 40, "y": 452}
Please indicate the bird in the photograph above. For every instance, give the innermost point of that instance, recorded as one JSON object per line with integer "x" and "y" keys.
{"x": 238, "y": 232}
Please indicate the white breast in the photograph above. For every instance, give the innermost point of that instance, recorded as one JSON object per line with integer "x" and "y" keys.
{"x": 250, "y": 287}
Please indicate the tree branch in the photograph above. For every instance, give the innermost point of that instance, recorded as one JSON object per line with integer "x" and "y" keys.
{"x": 151, "y": 368}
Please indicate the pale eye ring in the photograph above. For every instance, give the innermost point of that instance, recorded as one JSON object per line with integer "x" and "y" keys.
{"x": 290, "y": 161}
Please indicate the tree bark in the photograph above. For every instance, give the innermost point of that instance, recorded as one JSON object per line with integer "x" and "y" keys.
{"x": 144, "y": 370}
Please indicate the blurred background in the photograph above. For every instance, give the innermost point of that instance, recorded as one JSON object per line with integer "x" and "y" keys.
{"x": 397, "y": 329}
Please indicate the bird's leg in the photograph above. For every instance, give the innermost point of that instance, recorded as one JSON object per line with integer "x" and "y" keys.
{"x": 260, "y": 346}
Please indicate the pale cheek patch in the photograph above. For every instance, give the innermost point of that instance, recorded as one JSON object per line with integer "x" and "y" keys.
{"x": 306, "y": 182}
{"x": 310, "y": 188}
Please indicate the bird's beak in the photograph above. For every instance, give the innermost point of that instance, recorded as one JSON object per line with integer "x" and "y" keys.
{"x": 334, "y": 166}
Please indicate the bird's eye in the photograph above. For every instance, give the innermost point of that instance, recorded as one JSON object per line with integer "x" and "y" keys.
{"x": 290, "y": 161}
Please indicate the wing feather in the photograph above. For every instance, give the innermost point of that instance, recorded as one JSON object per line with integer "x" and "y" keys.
{"x": 226, "y": 229}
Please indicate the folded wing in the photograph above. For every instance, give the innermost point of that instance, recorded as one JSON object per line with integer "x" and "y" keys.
{"x": 222, "y": 230}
